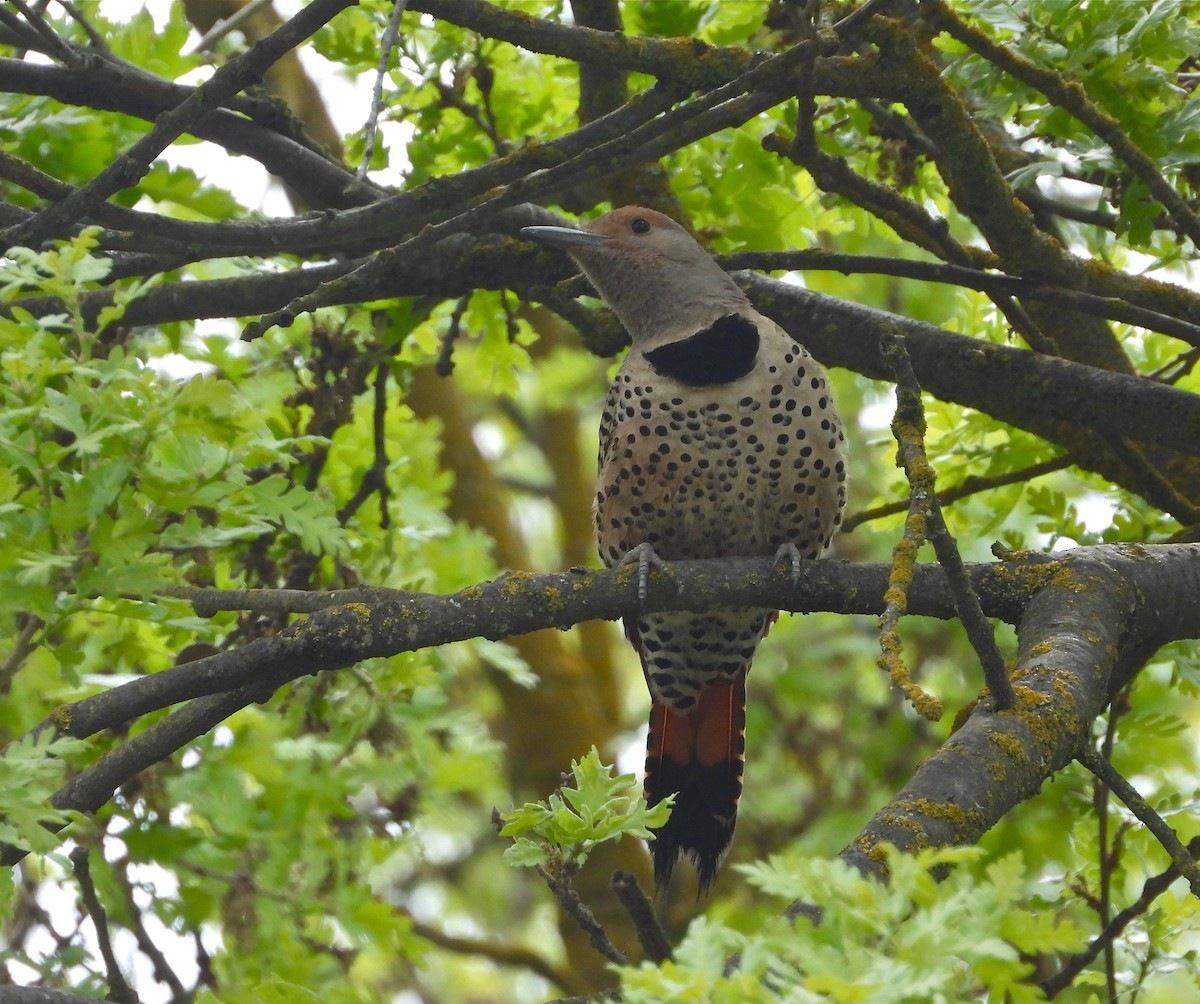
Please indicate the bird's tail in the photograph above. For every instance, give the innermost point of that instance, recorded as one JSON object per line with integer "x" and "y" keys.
{"x": 698, "y": 756}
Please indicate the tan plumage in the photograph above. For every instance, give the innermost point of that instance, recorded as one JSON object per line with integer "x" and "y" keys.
{"x": 719, "y": 439}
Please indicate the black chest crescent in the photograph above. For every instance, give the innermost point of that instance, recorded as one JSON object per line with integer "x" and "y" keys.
{"x": 721, "y": 353}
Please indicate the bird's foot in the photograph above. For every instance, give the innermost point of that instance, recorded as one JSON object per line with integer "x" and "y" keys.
{"x": 645, "y": 557}
{"x": 790, "y": 554}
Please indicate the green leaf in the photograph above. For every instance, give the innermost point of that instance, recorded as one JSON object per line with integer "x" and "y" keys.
{"x": 597, "y": 805}
{"x": 31, "y": 769}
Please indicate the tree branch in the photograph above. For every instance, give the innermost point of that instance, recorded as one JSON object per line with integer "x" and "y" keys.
{"x": 1082, "y": 635}
{"x": 1057, "y": 399}
{"x": 1170, "y": 320}
{"x": 1099, "y": 613}
{"x": 1181, "y": 857}
{"x": 119, "y": 989}
{"x": 238, "y": 73}
{"x": 909, "y": 430}
{"x": 1071, "y": 96}
{"x": 500, "y": 954}
{"x": 646, "y": 923}
{"x": 110, "y": 85}
{"x": 1153, "y": 887}
{"x": 969, "y": 486}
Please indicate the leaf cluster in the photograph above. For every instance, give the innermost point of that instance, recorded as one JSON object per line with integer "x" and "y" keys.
{"x": 593, "y": 806}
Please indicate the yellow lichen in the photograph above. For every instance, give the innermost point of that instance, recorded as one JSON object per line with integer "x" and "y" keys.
{"x": 948, "y": 811}
{"x": 1010, "y": 744}
{"x": 514, "y": 583}
{"x": 900, "y": 822}
{"x": 1027, "y": 695}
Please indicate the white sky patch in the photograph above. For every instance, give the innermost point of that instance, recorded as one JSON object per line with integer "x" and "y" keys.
{"x": 489, "y": 438}
{"x": 347, "y": 99}
{"x": 1096, "y": 511}
{"x": 631, "y": 756}
{"x": 877, "y": 415}
{"x": 177, "y": 366}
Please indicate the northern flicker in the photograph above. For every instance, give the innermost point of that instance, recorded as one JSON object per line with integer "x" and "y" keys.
{"x": 719, "y": 439}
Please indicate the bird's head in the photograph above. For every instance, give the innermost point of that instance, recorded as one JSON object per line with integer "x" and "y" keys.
{"x": 651, "y": 271}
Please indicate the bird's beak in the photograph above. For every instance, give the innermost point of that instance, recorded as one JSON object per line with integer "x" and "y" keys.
{"x": 563, "y": 236}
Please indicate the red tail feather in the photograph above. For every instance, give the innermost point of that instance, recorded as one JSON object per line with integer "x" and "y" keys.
{"x": 699, "y": 756}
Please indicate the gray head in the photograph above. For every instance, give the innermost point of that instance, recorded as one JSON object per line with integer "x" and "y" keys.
{"x": 657, "y": 279}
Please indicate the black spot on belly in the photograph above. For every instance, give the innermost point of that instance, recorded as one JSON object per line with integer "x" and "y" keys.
{"x": 721, "y": 353}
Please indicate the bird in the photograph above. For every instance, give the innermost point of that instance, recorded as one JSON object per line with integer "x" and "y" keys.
{"x": 719, "y": 438}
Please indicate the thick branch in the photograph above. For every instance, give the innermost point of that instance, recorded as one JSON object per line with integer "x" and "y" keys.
{"x": 353, "y": 625}
{"x": 382, "y": 221}
{"x": 1071, "y": 96}
{"x": 109, "y": 85}
{"x": 1095, "y": 616}
{"x": 1054, "y": 398}
{"x": 1109, "y": 306}
{"x": 701, "y": 65}
{"x": 1082, "y": 635}
{"x": 239, "y": 72}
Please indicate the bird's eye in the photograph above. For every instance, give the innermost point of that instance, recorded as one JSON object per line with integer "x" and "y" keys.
{"x": 640, "y": 225}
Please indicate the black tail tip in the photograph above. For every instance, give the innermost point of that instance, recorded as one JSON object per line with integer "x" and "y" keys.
{"x": 705, "y": 841}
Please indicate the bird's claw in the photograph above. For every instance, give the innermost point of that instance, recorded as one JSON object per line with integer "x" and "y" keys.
{"x": 791, "y": 554}
{"x": 646, "y": 559}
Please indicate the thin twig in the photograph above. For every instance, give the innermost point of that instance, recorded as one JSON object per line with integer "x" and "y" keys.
{"x": 1177, "y": 504}
{"x": 1071, "y": 96}
{"x": 650, "y": 933}
{"x": 578, "y": 910}
{"x": 891, "y": 644}
{"x": 445, "y": 360}
{"x": 158, "y": 960}
{"x": 241, "y": 71}
{"x": 375, "y": 478}
{"x": 119, "y": 990}
{"x": 1105, "y": 854}
{"x": 24, "y": 37}
{"x": 1152, "y": 888}
{"x": 387, "y": 44}
{"x": 1175, "y": 370}
{"x": 58, "y": 47}
{"x": 502, "y": 955}
{"x": 379, "y": 420}
{"x": 97, "y": 40}
{"x": 971, "y": 485}
{"x": 223, "y": 27}
{"x": 1127, "y": 793}
{"x": 909, "y": 428}
{"x": 22, "y": 645}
